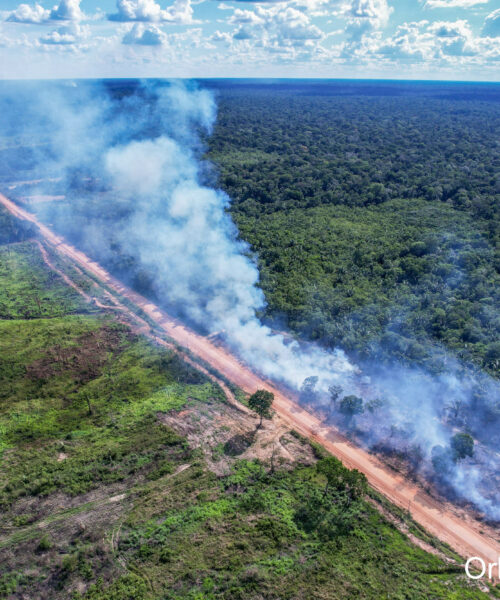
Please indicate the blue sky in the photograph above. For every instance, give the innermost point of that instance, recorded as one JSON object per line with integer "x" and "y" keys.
{"x": 400, "y": 39}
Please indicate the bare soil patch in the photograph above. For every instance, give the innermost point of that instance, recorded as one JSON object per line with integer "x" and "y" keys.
{"x": 225, "y": 434}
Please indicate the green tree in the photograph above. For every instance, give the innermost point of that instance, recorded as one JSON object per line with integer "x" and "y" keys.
{"x": 335, "y": 392}
{"x": 454, "y": 408}
{"x": 462, "y": 445}
{"x": 375, "y": 404}
{"x": 261, "y": 402}
{"x": 493, "y": 353}
{"x": 87, "y": 396}
{"x": 351, "y": 405}
{"x": 308, "y": 389}
{"x": 441, "y": 460}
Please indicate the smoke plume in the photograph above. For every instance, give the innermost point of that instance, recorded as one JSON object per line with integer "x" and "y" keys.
{"x": 133, "y": 160}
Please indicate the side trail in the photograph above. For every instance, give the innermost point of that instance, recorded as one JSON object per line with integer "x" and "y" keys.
{"x": 465, "y": 535}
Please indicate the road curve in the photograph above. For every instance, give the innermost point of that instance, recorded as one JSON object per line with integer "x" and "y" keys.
{"x": 464, "y": 537}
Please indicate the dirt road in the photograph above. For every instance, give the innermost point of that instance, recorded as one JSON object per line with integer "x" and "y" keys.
{"x": 465, "y": 537}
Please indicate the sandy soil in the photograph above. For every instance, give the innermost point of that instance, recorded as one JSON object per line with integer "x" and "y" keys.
{"x": 465, "y": 535}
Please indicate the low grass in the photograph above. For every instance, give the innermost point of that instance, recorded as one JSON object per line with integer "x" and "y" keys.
{"x": 96, "y": 407}
{"x": 31, "y": 291}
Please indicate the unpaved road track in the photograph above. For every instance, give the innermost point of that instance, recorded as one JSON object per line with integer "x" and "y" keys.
{"x": 464, "y": 537}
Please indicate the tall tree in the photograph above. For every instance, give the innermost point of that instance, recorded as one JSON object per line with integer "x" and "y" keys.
{"x": 261, "y": 402}
{"x": 351, "y": 405}
{"x": 462, "y": 445}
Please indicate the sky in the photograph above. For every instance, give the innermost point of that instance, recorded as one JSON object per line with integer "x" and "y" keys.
{"x": 389, "y": 39}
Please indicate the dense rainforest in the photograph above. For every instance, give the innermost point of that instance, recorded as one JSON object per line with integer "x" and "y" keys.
{"x": 373, "y": 211}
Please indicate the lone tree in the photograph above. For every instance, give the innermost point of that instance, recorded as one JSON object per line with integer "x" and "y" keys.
{"x": 454, "y": 408}
{"x": 332, "y": 469}
{"x": 462, "y": 445}
{"x": 86, "y": 395}
{"x": 442, "y": 461}
{"x": 261, "y": 403}
{"x": 351, "y": 405}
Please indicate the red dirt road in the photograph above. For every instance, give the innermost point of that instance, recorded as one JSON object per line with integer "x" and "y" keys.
{"x": 464, "y": 537}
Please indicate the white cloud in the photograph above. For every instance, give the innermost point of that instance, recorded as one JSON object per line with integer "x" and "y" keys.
{"x": 454, "y": 38}
{"x": 248, "y": 16}
{"x": 430, "y": 44}
{"x": 242, "y": 33}
{"x": 149, "y": 11}
{"x": 21, "y": 41}
{"x": 181, "y": 12}
{"x": 408, "y": 43}
{"x": 25, "y": 13}
{"x": 453, "y": 3}
{"x": 259, "y": 1}
{"x": 292, "y": 24}
{"x": 191, "y": 38}
{"x": 66, "y": 10}
{"x": 491, "y": 27}
{"x": 365, "y": 16}
{"x": 274, "y": 26}
{"x": 66, "y": 35}
{"x": 377, "y": 11}
{"x": 323, "y": 7}
{"x": 274, "y": 32}
{"x": 220, "y": 36}
{"x": 451, "y": 29}
{"x": 138, "y": 10}
{"x": 145, "y": 35}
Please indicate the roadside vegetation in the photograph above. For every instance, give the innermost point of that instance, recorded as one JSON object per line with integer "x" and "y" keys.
{"x": 106, "y": 495}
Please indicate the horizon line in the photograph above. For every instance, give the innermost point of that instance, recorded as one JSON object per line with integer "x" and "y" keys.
{"x": 254, "y": 79}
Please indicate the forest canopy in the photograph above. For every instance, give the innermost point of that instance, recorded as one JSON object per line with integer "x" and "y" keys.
{"x": 373, "y": 211}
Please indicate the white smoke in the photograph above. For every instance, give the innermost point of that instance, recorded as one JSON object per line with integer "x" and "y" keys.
{"x": 182, "y": 232}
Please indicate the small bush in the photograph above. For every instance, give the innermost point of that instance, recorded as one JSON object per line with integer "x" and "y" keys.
{"x": 44, "y": 544}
